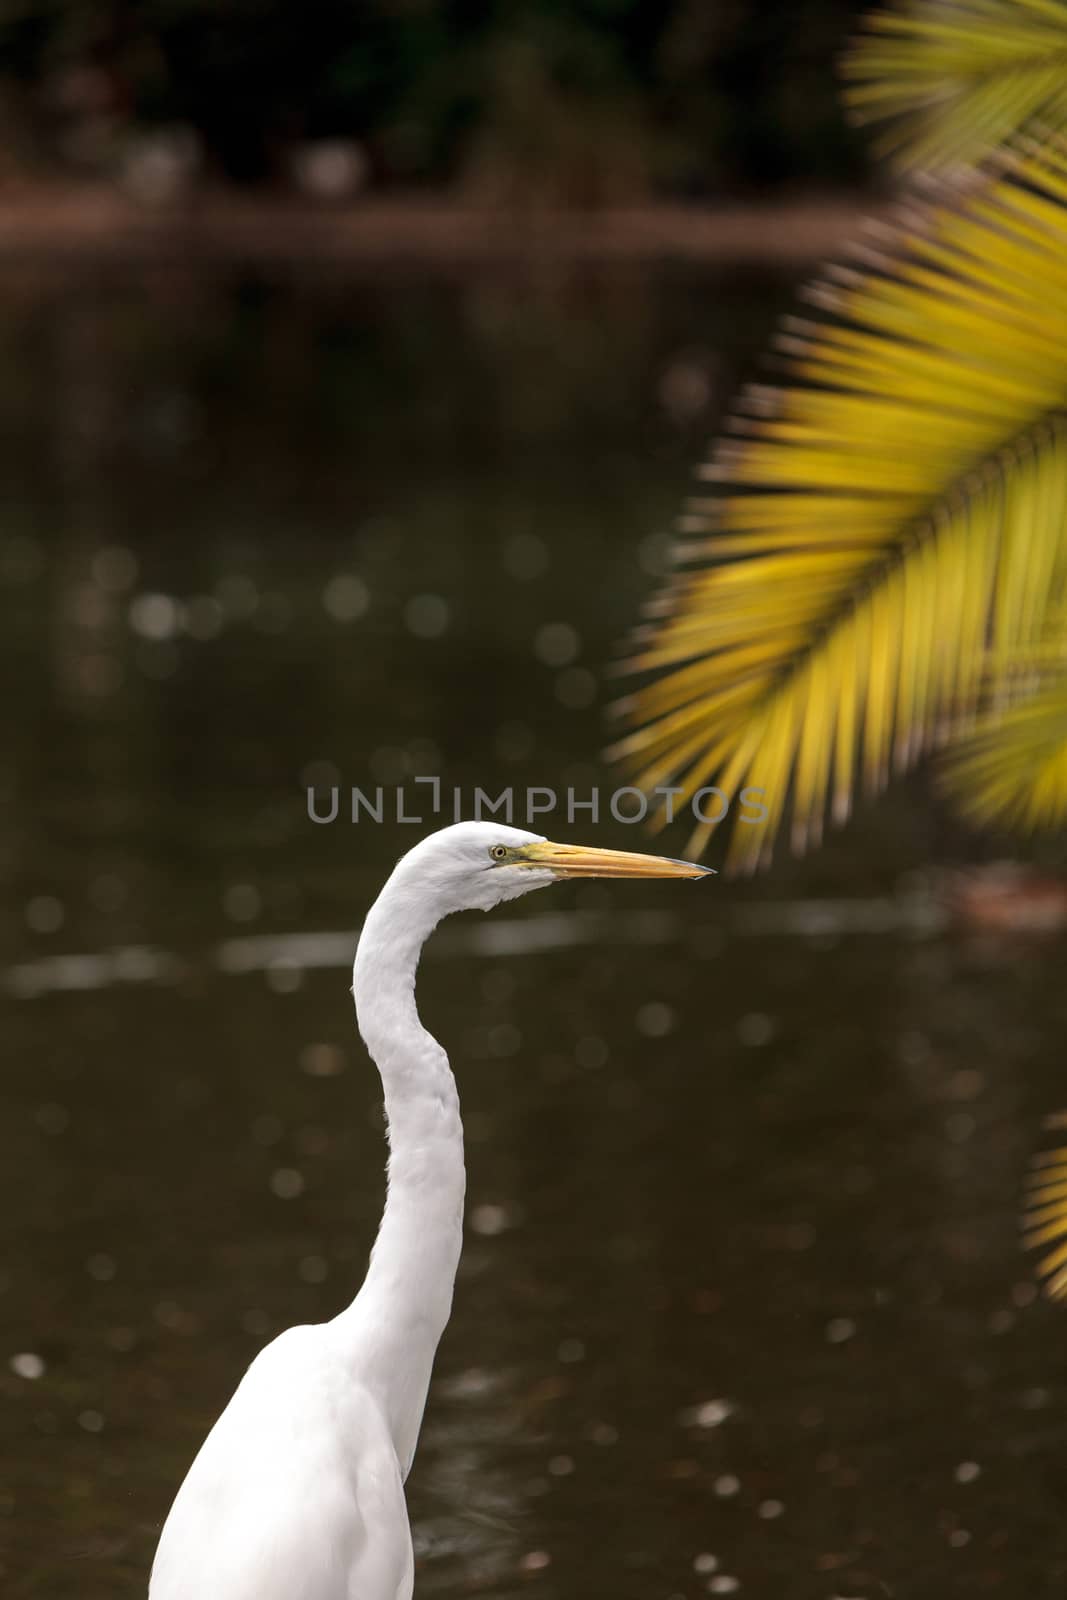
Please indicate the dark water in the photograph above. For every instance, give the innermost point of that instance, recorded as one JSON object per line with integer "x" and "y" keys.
{"x": 742, "y": 1307}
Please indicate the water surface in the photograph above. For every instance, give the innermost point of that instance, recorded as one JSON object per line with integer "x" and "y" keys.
{"x": 741, "y": 1307}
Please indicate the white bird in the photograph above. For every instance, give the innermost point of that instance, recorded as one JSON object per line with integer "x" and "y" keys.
{"x": 298, "y": 1491}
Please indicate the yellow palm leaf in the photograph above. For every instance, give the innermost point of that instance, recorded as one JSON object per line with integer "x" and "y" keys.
{"x": 952, "y": 80}
{"x": 1011, "y": 768}
{"x": 1044, "y": 1218}
{"x": 884, "y": 526}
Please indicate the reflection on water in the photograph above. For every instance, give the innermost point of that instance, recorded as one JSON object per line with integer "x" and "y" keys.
{"x": 741, "y": 1308}
{"x": 285, "y": 957}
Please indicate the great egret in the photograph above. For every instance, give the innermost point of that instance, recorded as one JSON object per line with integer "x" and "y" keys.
{"x": 298, "y": 1491}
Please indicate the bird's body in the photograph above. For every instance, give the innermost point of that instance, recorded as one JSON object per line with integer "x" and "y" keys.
{"x": 298, "y": 1491}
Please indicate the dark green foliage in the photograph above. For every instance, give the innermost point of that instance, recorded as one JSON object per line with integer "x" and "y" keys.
{"x": 560, "y": 99}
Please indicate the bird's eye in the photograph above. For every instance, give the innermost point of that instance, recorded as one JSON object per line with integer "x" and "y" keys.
{"x": 499, "y": 852}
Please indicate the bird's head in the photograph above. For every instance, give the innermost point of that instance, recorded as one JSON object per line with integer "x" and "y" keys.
{"x": 473, "y": 866}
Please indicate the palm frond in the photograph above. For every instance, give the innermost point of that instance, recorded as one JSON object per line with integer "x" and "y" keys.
{"x": 952, "y": 80}
{"x": 1044, "y": 1217}
{"x": 1011, "y": 768}
{"x": 885, "y": 525}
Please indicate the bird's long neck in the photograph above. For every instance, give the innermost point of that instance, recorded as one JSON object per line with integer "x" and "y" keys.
{"x": 393, "y": 1326}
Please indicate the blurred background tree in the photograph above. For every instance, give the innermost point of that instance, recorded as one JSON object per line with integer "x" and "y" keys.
{"x": 572, "y": 100}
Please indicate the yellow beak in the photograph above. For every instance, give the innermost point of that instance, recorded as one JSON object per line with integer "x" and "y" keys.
{"x": 581, "y": 861}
